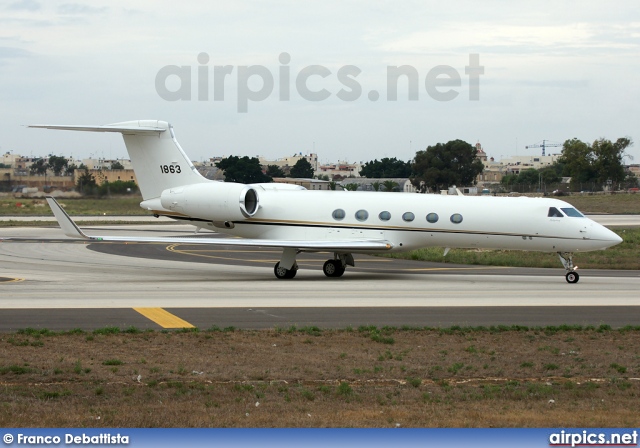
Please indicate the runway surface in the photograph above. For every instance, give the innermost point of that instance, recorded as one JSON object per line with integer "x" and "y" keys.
{"x": 47, "y": 281}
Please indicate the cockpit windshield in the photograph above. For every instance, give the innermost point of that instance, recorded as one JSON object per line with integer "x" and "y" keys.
{"x": 572, "y": 212}
{"x": 569, "y": 211}
{"x": 555, "y": 213}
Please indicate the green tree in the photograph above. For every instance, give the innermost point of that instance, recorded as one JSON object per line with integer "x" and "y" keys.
{"x": 597, "y": 163}
{"x": 446, "y": 164}
{"x": 630, "y": 180}
{"x": 117, "y": 165}
{"x": 551, "y": 174}
{"x": 532, "y": 179}
{"x": 390, "y": 185}
{"x": 117, "y": 187}
{"x": 39, "y": 167}
{"x": 70, "y": 169}
{"x": 86, "y": 183}
{"x": 386, "y": 167}
{"x": 350, "y": 187}
{"x": 578, "y": 161}
{"x": 244, "y": 170}
{"x": 529, "y": 177}
{"x": 275, "y": 171}
{"x": 376, "y": 185}
{"x": 333, "y": 185}
{"x": 57, "y": 164}
{"x": 302, "y": 169}
{"x": 509, "y": 180}
{"x": 609, "y": 160}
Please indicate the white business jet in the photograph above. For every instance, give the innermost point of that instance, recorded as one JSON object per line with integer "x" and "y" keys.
{"x": 299, "y": 220}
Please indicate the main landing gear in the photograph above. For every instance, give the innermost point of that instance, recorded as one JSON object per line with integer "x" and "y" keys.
{"x": 333, "y": 268}
{"x": 336, "y": 266}
{"x": 567, "y": 261}
{"x": 283, "y": 273}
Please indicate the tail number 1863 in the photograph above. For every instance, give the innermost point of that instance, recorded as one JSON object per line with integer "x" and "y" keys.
{"x": 170, "y": 169}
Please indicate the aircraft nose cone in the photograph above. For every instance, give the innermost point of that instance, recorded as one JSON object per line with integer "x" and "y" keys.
{"x": 607, "y": 236}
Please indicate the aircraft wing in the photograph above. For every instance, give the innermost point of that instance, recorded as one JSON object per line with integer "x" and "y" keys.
{"x": 73, "y": 231}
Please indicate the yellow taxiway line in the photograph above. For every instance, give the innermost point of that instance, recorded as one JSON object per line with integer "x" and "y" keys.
{"x": 10, "y": 280}
{"x": 163, "y": 318}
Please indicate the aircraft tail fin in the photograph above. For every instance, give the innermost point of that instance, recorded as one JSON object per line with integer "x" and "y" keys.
{"x": 158, "y": 160}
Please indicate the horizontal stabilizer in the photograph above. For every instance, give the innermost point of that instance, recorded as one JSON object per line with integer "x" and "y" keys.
{"x": 149, "y": 148}
{"x": 130, "y": 127}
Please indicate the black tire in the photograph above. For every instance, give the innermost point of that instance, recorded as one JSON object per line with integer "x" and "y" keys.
{"x": 333, "y": 268}
{"x": 282, "y": 273}
{"x": 572, "y": 277}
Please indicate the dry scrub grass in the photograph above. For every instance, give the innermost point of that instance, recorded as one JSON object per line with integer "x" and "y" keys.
{"x": 311, "y": 378}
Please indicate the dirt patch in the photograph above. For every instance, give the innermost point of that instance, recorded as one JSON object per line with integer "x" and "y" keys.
{"x": 311, "y": 378}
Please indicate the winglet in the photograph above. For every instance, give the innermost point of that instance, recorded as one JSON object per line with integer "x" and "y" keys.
{"x": 66, "y": 223}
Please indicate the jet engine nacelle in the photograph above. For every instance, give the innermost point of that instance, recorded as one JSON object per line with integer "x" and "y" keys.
{"x": 222, "y": 202}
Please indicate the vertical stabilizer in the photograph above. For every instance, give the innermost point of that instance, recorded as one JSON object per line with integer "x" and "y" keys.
{"x": 159, "y": 161}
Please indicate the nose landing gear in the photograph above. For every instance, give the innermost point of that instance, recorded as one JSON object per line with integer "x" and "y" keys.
{"x": 567, "y": 261}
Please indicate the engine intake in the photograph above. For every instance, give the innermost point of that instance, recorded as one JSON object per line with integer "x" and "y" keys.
{"x": 214, "y": 201}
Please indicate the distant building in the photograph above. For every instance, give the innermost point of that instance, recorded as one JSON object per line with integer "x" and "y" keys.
{"x": 105, "y": 164}
{"x": 213, "y": 160}
{"x": 367, "y": 184}
{"x": 22, "y": 165}
{"x": 107, "y": 175}
{"x": 494, "y": 172}
{"x": 286, "y": 163}
{"x": 209, "y": 169}
{"x": 519, "y": 163}
{"x": 309, "y": 184}
{"x": 480, "y": 154}
{"x": 9, "y": 159}
{"x": 342, "y": 169}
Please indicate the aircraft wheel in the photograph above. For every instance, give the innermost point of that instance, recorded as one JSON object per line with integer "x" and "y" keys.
{"x": 333, "y": 268}
{"x": 283, "y": 273}
{"x": 572, "y": 277}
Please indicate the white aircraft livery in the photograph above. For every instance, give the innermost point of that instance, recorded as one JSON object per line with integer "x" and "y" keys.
{"x": 298, "y": 220}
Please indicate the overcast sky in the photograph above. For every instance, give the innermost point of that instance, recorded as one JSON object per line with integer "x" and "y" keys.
{"x": 551, "y": 70}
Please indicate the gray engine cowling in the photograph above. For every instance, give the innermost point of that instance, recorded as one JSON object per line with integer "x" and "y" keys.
{"x": 215, "y": 201}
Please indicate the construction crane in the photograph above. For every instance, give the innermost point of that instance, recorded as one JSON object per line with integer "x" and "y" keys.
{"x": 544, "y": 145}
